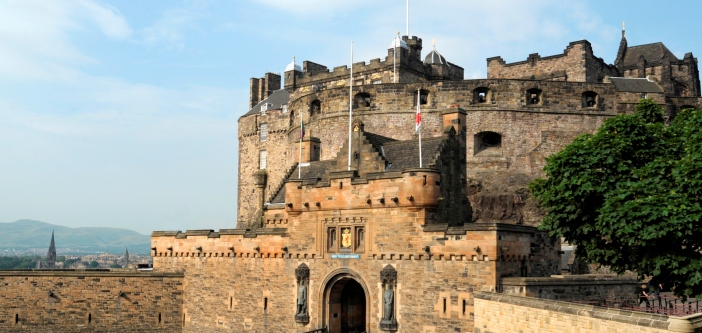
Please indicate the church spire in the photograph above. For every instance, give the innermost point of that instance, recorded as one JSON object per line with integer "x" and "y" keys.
{"x": 51, "y": 255}
{"x": 622, "y": 49}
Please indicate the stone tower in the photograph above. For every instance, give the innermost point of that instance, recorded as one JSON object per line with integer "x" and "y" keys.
{"x": 51, "y": 256}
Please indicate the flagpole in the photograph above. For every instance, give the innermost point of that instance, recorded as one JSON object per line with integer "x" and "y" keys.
{"x": 299, "y": 163}
{"x": 350, "y": 103}
{"x": 394, "y": 61}
{"x": 419, "y": 128}
{"x": 408, "y": 35}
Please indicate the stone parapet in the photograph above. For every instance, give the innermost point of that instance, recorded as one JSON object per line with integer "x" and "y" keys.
{"x": 511, "y": 314}
{"x": 573, "y": 287}
{"x": 90, "y": 301}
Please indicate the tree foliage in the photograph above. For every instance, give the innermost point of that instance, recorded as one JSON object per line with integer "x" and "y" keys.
{"x": 629, "y": 196}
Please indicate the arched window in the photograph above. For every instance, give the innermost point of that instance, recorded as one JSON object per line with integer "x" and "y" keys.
{"x": 533, "y": 96}
{"x": 589, "y": 99}
{"x": 481, "y": 95}
{"x": 423, "y": 97}
{"x": 362, "y": 100}
{"x": 315, "y": 107}
{"x": 486, "y": 141}
{"x": 292, "y": 118}
{"x": 680, "y": 90}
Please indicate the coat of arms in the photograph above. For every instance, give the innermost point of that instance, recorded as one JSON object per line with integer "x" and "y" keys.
{"x": 346, "y": 238}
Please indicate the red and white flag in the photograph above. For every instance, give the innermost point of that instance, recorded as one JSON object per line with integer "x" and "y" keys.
{"x": 419, "y": 114}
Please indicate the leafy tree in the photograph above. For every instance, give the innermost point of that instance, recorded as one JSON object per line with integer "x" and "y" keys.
{"x": 629, "y": 196}
{"x": 94, "y": 264}
{"x": 115, "y": 265}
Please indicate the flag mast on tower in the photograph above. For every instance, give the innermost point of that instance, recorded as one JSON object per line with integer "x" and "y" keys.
{"x": 418, "y": 125}
{"x": 350, "y": 104}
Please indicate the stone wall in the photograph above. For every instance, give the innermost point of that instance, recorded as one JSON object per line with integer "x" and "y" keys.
{"x": 529, "y": 133}
{"x": 237, "y": 280}
{"x": 90, "y": 301}
{"x": 498, "y": 313}
{"x": 574, "y": 287}
{"x": 577, "y": 63}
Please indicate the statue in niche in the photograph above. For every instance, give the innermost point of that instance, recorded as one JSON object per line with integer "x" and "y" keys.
{"x": 388, "y": 300}
{"x": 302, "y": 300}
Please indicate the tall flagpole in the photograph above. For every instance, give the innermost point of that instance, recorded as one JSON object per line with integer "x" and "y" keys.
{"x": 394, "y": 61}
{"x": 350, "y": 103}
{"x": 299, "y": 162}
{"x": 419, "y": 127}
{"x": 407, "y": 30}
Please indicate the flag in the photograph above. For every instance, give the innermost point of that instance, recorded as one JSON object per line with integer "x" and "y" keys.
{"x": 419, "y": 114}
{"x": 302, "y": 129}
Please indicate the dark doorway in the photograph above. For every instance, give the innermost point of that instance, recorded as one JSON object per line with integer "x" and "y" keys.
{"x": 347, "y": 307}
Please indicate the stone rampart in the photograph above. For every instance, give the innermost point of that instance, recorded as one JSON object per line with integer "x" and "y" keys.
{"x": 90, "y": 301}
{"x": 591, "y": 287}
{"x": 499, "y": 313}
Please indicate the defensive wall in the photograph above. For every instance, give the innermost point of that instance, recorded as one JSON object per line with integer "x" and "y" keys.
{"x": 528, "y": 133}
{"x": 90, "y": 301}
{"x": 237, "y": 280}
{"x": 500, "y": 313}
{"x": 577, "y": 63}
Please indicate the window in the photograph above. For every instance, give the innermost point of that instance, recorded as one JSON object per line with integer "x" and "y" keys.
{"x": 377, "y": 81}
{"x": 292, "y": 118}
{"x": 263, "y": 134}
{"x": 315, "y": 107}
{"x": 481, "y": 95}
{"x": 589, "y": 99}
{"x": 360, "y": 238}
{"x": 262, "y": 159}
{"x": 533, "y": 96}
{"x": 362, "y": 100}
{"x": 331, "y": 239}
{"x": 423, "y": 97}
{"x": 265, "y": 107}
{"x": 285, "y": 108}
{"x": 487, "y": 141}
{"x": 643, "y": 95}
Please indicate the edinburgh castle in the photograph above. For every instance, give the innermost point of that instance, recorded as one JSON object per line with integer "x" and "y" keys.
{"x": 353, "y": 225}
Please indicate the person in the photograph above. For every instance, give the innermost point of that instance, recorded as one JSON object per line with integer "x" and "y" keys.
{"x": 654, "y": 289}
{"x": 643, "y": 295}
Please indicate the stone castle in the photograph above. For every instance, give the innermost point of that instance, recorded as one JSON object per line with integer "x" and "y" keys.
{"x": 340, "y": 229}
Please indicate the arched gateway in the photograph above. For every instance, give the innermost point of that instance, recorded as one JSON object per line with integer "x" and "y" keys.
{"x": 345, "y": 303}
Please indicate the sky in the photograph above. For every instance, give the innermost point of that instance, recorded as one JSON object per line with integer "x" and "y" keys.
{"x": 124, "y": 113}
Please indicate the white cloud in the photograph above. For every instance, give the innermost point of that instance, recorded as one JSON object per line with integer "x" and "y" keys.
{"x": 108, "y": 18}
{"x": 171, "y": 28}
{"x": 34, "y": 36}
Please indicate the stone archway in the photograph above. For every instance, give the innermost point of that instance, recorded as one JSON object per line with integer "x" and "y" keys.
{"x": 346, "y": 304}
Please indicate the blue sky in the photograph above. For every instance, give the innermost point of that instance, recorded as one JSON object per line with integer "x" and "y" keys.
{"x": 124, "y": 113}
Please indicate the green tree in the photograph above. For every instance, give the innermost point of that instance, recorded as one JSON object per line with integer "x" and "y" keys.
{"x": 94, "y": 264}
{"x": 629, "y": 196}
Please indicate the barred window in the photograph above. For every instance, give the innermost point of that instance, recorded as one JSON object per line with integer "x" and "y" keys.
{"x": 264, "y": 132}
{"x": 262, "y": 159}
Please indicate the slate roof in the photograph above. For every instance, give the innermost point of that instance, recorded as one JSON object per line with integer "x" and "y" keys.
{"x": 399, "y": 154}
{"x": 405, "y": 154}
{"x": 277, "y": 98}
{"x": 636, "y": 85}
{"x": 652, "y": 53}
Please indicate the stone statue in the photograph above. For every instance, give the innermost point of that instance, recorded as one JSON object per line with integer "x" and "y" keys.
{"x": 302, "y": 299}
{"x": 388, "y": 300}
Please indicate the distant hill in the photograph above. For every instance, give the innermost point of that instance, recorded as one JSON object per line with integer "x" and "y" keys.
{"x": 27, "y": 234}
